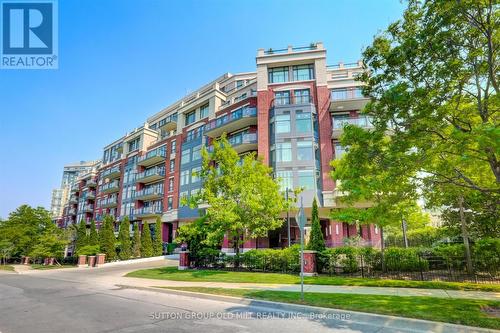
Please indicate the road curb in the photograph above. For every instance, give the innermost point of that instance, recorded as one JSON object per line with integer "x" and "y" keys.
{"x": 362, "y": 317}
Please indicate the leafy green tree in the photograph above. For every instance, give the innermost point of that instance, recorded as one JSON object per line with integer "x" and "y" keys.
{"x": 23, "y": 229}
{"x": 82, "y": 238}
{"x": 194, "y": 235}
{"x": 136, "y": 243}
{"x": 316, "y": 240}
{"x": 6, "y": 249}
{"x": 107, "y": 240}
{"x": 51, "y": 243}
{"x": 93, "y": 236}
{"x": 158, "y": 242}
{"x": 146, "y": 241}
{"x": 124, "y": 239}
{"x": 244, "y": 201}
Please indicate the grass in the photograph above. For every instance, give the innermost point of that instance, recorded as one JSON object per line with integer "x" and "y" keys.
{"x": 46, "y": 267}
{"x": 173, "y": 274}
{"x": 7, "y": 268}
{"x": 456, "y": 311}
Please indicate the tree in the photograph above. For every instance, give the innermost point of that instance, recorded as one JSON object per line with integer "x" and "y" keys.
{"x": 243, "y": 200}
{"x": 82, "y": 238}
{"x": 146, "y": 241}
{"x": 107, "y": 240}
{"x": 124, "y": 239}
{"x": 194, "y": 235}
{"x": 316, "y": 240}
{"x": 50, "y": 244}
{"x": 6, "y": 249}
{"x": 93, "y": 236}
{"x": 136, "y": 244}
{"x": 158, "y": 243}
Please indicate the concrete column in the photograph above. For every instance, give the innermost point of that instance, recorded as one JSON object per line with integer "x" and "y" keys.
{"x": 310, "y": 267}
{"x": 183, "y": 260}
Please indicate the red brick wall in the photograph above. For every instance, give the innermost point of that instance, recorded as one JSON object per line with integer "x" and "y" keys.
{"x": 325, "y": 136}
{"x": 264, "y": 99}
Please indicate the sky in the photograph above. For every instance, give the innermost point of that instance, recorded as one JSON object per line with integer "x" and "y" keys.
{"x": 122, "y": 61}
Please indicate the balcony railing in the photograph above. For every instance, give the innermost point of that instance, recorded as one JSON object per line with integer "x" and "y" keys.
{"x": 72, "y": 211}
{"x": 151, "y": 174}
{"x": 245, "y": 112}
{"x": 110, "y": 187}
{"x": 148, "y": 211}
{"x": 91, "y": 183}
{"x": 289, "y": 100}
{"x": 73, "y": 199}
{"x": 111, "y": 172}
{"x": 152, "y": 157}
{"x": 91, "y": 195}
{"x": 148, "y": 193}
{"x": 88, "y": 208}
{"x": 346, "y": 94}
{"x": 339, "y": 123}
{"x": 243, "y": 138}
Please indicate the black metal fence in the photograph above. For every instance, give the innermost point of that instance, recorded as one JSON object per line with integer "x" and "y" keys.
{"x": 413, "y": 266}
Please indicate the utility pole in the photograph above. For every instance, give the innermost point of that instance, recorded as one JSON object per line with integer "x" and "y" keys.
{"x": 465, "y": 234}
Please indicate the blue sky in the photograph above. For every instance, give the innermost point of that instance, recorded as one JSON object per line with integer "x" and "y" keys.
{"x": 122, "y": 61}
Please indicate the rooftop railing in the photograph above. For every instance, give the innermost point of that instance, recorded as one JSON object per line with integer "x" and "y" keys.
{"x": 346, "y": 94}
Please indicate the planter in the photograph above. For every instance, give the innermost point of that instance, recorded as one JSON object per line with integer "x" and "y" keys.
{"x": 100, "y": 259}
{"x": 91, "y": 261}
{"x": 82, "y": 260}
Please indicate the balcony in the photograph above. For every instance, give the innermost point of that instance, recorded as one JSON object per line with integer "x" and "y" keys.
{"x": 109, "y": 202}
{"x": 289, "y": 100}
{"x": 149, "y": 193}
{"x": 169, "y": 123}
{"x": 339, "y": 123}
{"x": 111, "y": 173}
{"x": 150, "y": 175}
{"x": 244, "y": 142}
{"x": 75, "y": 188}
{"x": 91, "y": 183}
{"x": 73, "y": 199}
{"x": 90, "y": 195}
{"x": 152, "y": 157}
{"x": 110, "y": 187}
{"x": 145, "y": 212}
{"x": 72, "y": 211}
{"x": 347, "y": 99}
{"x": 236, "y": 120}
{"x": 88, "y": 208}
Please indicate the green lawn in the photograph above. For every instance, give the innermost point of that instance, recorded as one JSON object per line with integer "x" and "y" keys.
{"x": 172, "y": 273}
{"x": 45, "y": 267}
{"x": 6, "y": 268}
{"x": 456, "y": 311}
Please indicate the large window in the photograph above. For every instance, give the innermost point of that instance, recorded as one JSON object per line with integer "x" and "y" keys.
{"x": 286, "y": 179}
{"x": 186, "y": 156}
{"x": 303, "y": 122}
{"x": 278, "y": 74}
{"x": 184, "y": 177}
{"x": 195, "y": 174}
{"x": 170, "y": 203}
{"x": 171, "y": 184}
{"x": 133, "y": 145}
{"x": 284, "y": 152}
{"x": 283, "y": 123}
{"x": 302, "y": 96}
{"x": 305, "y": 151}
{"x": 204, "y": 111}
{"x": 190, "y": 117}
{"x": 196, "y": 153}
{"x": 173, "y": 146}
{"x": 340, "y": 150}
{"x": 303, "y": 72}
{"x": 282, "y": 98}
{"x": 340, "y": 120}
{"x": 172, "y": 165}
{"x": 306, "y": 179}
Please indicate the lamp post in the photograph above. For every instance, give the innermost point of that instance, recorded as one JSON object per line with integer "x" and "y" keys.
{"x": 288, "y": 216}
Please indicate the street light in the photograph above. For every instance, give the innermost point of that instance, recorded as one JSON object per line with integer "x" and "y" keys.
{"x": 288, "y": 216}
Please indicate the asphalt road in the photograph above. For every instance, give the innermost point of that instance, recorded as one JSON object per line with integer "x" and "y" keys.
{"x": 87, "y": 300}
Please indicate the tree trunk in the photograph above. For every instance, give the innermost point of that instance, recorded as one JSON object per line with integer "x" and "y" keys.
{"x": 465, "y": 235}
{"x": 237, "y": 252}
{"x": 382, "y": 248}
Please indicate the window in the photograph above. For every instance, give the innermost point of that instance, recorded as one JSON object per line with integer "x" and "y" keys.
{"x": 170, "y": 203}
{"x": 302, "y": 96}
{"x": 286, "y": 179}
{"x": 283, "y": 123}
{"x": 173, "y": 146}
{"x": 190, "y": 117}
{"x": 340, "y": 150}
{"x": 183, "y": 196}
{"x": 204, "y": 111}
{"x": 184, "y": 177}
{"x": 303, "y": 72}
{"x": 305, "y": 151}
{"x": 284, "y": 152}
{"x": 195, "y": 174}
{"x": 239, "y": 83}
{"x": 133, "y": 145}
{"x": 340, "y": 120}
{"x": 303, "y": 122}
{"x": 196, "y": 153}
{"x": 172, "y": 165}
{"x": 186, "y": 156}
{"x": 278, "y": 74}
{"x": 171, "y": 184}
{"x": 306, "y": 179}
{"x": 282, "y": 98}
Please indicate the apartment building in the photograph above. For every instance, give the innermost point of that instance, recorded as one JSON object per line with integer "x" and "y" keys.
{"x": 290, "y": 112}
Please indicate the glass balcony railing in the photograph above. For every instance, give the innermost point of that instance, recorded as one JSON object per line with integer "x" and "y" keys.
{"x": 150, "y": 173}
{"x": 111, "y": 171}
{"x": 151, "y": 210}
{"x": 149, "y": 192}
{"x": 88, "y": 208}
{"x": 346, "y": 94}
{"x": 110, "y": 186}
{"x": 243, "y": 138}
{"x": 289, "y": 100}
{"x": 339, "y": 123}
{"x": 155, "y": 154}
{"x": 233, "y": 116}
{"x": 109, "y": 202}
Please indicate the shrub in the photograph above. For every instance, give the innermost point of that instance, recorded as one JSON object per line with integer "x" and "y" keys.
{"x": 286, "y": 260}
{"x": 171, "y": 247}
{"x": 88, "y": 250}
{"x": 453, "y": 254}
{"x": 487, "y": 255}
{"x": 340, "y": 258}
{"x": 404, "y": 260}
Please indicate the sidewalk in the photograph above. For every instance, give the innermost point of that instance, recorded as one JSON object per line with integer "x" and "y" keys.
{"x": 491, "y": 296}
